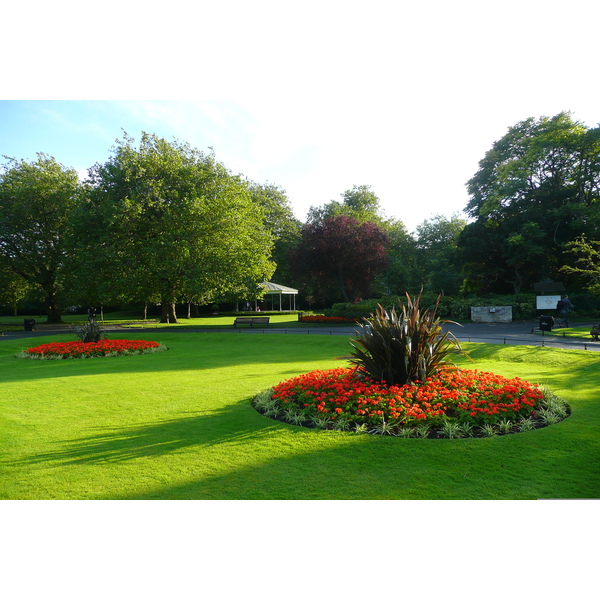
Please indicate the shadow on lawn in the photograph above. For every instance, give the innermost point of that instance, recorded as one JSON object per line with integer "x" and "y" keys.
{"x": 158, "y": 438}
{"x": 371, "y": 467}
{"x": 186, "y": 352}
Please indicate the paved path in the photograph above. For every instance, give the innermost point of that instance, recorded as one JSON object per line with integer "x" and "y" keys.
{"x": 519, "y": 333}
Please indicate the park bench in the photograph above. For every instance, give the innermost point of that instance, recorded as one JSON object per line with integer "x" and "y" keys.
{"x": 251, "y": 321}
{"x": 595, "y": 333}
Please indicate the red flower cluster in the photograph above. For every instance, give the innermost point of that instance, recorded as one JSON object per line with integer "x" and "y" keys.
{"x": 473, "y": 396}
{"x": 324, "y": 319}
{"x": 85, "y": 350}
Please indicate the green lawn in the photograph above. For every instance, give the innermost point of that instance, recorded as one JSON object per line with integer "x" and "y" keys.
{"x": 279, "y": 320}
{"x": 179, "y": 424}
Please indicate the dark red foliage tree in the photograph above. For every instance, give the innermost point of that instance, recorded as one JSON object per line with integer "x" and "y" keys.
{"x": 338, "y": 259}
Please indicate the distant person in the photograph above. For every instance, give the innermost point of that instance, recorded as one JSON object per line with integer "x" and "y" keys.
{"x": 565, "y": 307}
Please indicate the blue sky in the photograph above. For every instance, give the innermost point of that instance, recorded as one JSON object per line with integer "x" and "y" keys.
{"x": 316, "y": 98}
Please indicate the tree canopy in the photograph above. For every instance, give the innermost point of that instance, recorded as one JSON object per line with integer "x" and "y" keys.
{"x": 536, "y": 189}
{"x": 161, "y": 222}
{"x": 439, "y": 263}
{"x": 281, "y": 223}
{"x": 36, "y": 201}
{"x": 586, "y": 264}
{"x": 360, "y": 203}
{"x": 340, "y": 257}
{"x": 165, "y": 222}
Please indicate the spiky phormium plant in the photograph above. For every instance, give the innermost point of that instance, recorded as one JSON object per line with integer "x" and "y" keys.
{"x": 403, "y": 348}
{"x": 89, "y": 332}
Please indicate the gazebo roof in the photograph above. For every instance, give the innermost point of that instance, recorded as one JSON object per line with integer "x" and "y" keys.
{"x": 275, "y": 288}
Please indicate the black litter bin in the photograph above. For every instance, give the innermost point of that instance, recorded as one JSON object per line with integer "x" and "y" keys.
{"x": 546, "y": 323}
{"x": 28, "y": 324}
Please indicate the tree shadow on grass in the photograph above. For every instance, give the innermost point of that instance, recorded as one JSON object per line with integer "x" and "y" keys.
{"x": 209, "y": 428}
{"x": 369, "y": 467}
{"x": 186, "y": 352}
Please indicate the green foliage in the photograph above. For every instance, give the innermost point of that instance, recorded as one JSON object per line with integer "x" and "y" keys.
{"x": 360, "y": 203}
{"x": 13, "y": 287}
{"x": 439, "y": 264}
{"x": 586, "y": 254}
{"x": 457, "y": 307}
{"x": 403, "y": 348}
{"x": 451, "y": 429}
{"x": 282, "y": 224}
{"x": 180, "y": 225}
{"x": 536, "y": 190}
{"x": 36, "y": 200}
{"x": 340, "y": 257}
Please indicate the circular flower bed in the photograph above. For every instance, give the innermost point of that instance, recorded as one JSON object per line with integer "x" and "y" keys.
{"x": 456, "y": 403}
{"x": 59, "y": 350}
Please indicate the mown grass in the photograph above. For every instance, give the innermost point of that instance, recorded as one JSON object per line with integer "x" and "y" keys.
{"x": 578, "y": 332}
{"x": 280, "y": 320}
{"x": 179, "y": 425}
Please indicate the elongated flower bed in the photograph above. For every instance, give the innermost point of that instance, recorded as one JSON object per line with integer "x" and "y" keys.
{"x": 58, "y": 350}
{"x": 467, "y": 402}
{"x": 324, "y": 319}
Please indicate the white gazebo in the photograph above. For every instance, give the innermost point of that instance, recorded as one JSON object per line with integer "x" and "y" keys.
{"x": 274, "y": 290}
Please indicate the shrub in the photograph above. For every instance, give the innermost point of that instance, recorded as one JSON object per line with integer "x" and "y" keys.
{"x": 89, "y": 332}
{"x": 398, "y": 349}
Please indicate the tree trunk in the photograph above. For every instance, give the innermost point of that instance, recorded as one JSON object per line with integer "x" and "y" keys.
{"x": 342, "y": 284}
{"x": 168, "y": 314}
{"x": 54, "y": 315}
{"x": 517, "y": 282}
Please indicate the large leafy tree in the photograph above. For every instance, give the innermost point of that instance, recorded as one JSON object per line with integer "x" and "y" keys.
{"x": 167, "y": 222}
{"x": 13, "y": 287}
{"x": 586, "y": 265}
{"x": 439, "y": 264}
{"x": 536, "y": 189}
{"x": 283, "y": 225}
{"x": 360, "y": 203}
{"x": 36, "y": 201}
{"x": 363, "y": 205}
{"x": 340, "y": 257}
{"x": 402, "y": 272}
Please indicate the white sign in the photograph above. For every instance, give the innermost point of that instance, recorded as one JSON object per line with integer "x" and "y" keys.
{"x": 546, "y": 302}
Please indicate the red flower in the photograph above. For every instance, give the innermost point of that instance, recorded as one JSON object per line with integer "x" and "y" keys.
{"x": 472, "y": 395}
{"x": 101, "y": 348}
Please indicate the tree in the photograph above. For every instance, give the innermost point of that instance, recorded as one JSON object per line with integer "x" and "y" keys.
{"x": 341, "y": 257}
{"x": 586, "y": 263}
{"x": 166, "y": 221}
{"x": 402, "y": 271}
{"x": 536, "y": 189}
{"x": 360, "y": 203}
{"x": 13, "y": 287}
{"x": 439, "y": 263}
{"x": 36, "y": 200}
{"x": 281, "y": 222}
